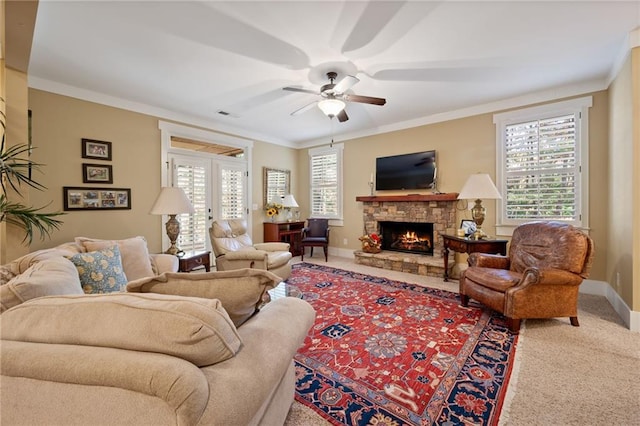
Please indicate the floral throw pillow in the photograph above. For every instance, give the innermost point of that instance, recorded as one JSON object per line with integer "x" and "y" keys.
{"x": 100, "y": 271}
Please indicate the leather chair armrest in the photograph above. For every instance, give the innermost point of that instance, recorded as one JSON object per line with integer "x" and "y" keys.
{"x": 246, "y": 255}
{"x": 484, "y": 260}
{"x": 552, "y": 276}
{"x": 272, "y": 246}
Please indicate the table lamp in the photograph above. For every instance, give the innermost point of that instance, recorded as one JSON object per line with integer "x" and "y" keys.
{"x": 172, "y": 201}
{"x": 479, "y": 186}
{"x": 289, "y": 202}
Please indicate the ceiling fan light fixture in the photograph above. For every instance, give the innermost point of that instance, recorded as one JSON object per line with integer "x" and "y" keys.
{"x": 331, "y": 107}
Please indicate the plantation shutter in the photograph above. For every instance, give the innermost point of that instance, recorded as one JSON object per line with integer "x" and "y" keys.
{"x": 193, "y": 227}
{"x": 232, "y": 184}
{"x": 541, "y": 169}
{"x": 324, "y": 185}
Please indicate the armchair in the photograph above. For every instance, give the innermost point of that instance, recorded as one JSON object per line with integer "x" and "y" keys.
{"x": 233, "y": 249}
{"x": 315, "y": 234}
{"x": 539, "y": 278}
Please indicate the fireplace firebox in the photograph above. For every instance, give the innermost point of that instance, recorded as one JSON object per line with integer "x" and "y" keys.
{"x": 410, "y": 237}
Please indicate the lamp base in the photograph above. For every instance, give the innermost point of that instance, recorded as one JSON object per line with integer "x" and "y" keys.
{"x": 173, "y": 231}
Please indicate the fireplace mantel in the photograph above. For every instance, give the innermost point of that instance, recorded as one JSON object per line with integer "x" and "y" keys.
{"x": 450, "y": 196}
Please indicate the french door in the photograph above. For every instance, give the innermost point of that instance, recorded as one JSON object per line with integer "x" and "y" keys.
{"x": 217, "y": 189}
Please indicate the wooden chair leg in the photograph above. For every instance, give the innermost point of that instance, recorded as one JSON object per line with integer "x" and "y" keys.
{"x": 514, "y": 325}
{"x": 302, "y": 253}
{"x": 464, "y": 300}
{"x": 311, "y": 251}
{"x": 574, "y": 321}
{"x": 326, "y": 258}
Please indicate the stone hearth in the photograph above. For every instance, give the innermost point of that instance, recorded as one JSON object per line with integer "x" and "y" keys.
{"x": 439, "y": 209}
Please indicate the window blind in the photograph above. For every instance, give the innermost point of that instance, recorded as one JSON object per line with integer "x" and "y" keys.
{"x": 324, "y": 185}
{"x": 541, "y": 169}
{"x": 193, "y": 227}
{"x": 231, "y": 194}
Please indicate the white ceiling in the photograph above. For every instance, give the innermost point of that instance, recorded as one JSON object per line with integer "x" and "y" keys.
{"x": 187, "y": 60}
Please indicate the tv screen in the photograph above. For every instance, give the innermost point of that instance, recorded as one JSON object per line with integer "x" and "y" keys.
{"x": 406, "y": 171}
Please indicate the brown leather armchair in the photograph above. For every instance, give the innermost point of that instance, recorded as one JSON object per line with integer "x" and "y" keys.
{"x": 539, "y": 278}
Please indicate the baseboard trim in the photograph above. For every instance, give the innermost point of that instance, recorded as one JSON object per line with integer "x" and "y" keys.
{"x": 602, "y": 288}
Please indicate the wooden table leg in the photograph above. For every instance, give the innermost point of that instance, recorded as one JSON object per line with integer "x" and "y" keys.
{"x": 446, "y": 263}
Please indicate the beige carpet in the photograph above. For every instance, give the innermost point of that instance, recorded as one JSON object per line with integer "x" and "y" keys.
{"x": 564, "y": 375}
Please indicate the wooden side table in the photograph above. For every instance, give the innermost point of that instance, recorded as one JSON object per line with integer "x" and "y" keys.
{"x": 466, "y": 245}
{"x": 191, "y": 260}
{"x": 285, "y": 232}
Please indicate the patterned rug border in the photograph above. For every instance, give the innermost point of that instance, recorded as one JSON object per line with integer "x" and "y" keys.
{"x": 488, "y": 323}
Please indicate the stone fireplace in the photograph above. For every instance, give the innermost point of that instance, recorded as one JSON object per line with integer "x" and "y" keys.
{"x": 437, "y": 211}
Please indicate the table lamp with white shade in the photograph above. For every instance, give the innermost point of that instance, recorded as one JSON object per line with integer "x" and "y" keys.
{"x": 477, "y": 187}
{"x": 172, "y": 201}
{"x": 289, "y": 202}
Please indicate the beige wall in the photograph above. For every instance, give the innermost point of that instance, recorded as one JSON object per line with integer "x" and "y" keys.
{"x": 619, "y": 243}
{"x": 11, "y": 236}
{"x": 463, "y": 146}
{"x": 59, "y": 124}
{"x": 275, "y": 157}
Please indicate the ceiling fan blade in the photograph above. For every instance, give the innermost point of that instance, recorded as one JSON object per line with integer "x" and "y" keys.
{"x": 342, "y": 116}
{"x": 297, "y": 89}
{"x": 364, "y": 99}
{"x": 304, "y": 108}
{"x": 345, "y": 84}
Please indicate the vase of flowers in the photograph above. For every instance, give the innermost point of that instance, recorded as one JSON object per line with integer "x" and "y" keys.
{"x": 272, "y": 210}
{"x": 371, "y": 243}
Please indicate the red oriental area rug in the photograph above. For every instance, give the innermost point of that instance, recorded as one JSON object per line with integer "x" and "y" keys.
{"x": 384, "y": 352}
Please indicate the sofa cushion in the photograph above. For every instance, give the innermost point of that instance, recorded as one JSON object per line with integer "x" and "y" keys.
{"x": 241, "y": 291}
{"x": 134, "y": 252}
{"x": 197, "y": 330}
{"x": 100, "y": 271}
{"x": 55, "y": 276}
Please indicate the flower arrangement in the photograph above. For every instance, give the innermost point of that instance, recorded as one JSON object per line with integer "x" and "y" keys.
{"x": 272, "y": 209}
{"x": 371, "y": 243}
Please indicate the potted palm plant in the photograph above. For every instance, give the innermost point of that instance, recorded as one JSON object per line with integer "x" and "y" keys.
{"x": 15, "y": 167}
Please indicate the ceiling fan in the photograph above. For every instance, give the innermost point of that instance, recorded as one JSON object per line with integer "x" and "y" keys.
{"x": 334, "y": 97}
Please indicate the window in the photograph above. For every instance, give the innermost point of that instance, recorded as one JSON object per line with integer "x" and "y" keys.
{"x": 325, "y": 165}
{"x": 542, "y": 163}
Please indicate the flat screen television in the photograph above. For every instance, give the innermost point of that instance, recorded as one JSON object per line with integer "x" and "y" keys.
{"x": 406, "y": 171}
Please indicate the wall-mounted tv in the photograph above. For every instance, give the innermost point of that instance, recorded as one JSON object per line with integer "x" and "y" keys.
{"x": 406, "y": 171}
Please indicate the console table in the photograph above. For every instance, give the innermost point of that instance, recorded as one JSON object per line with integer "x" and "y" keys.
{"x": 285, "y": 232}
{"x": 467, "y": 245}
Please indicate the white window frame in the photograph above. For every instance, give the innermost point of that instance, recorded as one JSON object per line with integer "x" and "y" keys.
{"x": 579, "y": 107}
{"x": 336, "y": 149}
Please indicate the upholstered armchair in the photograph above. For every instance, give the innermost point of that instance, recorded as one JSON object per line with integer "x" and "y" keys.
{"x": 539, "y": 278}
{"x": 315, "y": 234}
{"x": 234, "y": 249}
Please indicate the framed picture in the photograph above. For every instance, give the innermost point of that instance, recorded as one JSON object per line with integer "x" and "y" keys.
{"x": 97, "y": 173}
{"x": 469, "y": 227}
{"x": 99, "y": 150}
{"x": 96, "y": 198}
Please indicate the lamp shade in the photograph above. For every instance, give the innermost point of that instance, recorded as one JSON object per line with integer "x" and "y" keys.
{"x": 331, "y": 107}
{"x": 289, "y": 201}
{"x": 172, "y": 200}
{"x": 479, "y": 186}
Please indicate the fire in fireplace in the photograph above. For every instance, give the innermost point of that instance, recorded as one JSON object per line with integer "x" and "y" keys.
{"x": 411, "y": 237}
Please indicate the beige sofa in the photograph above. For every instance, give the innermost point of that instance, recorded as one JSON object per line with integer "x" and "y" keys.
{"x": 183, "y": 349}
